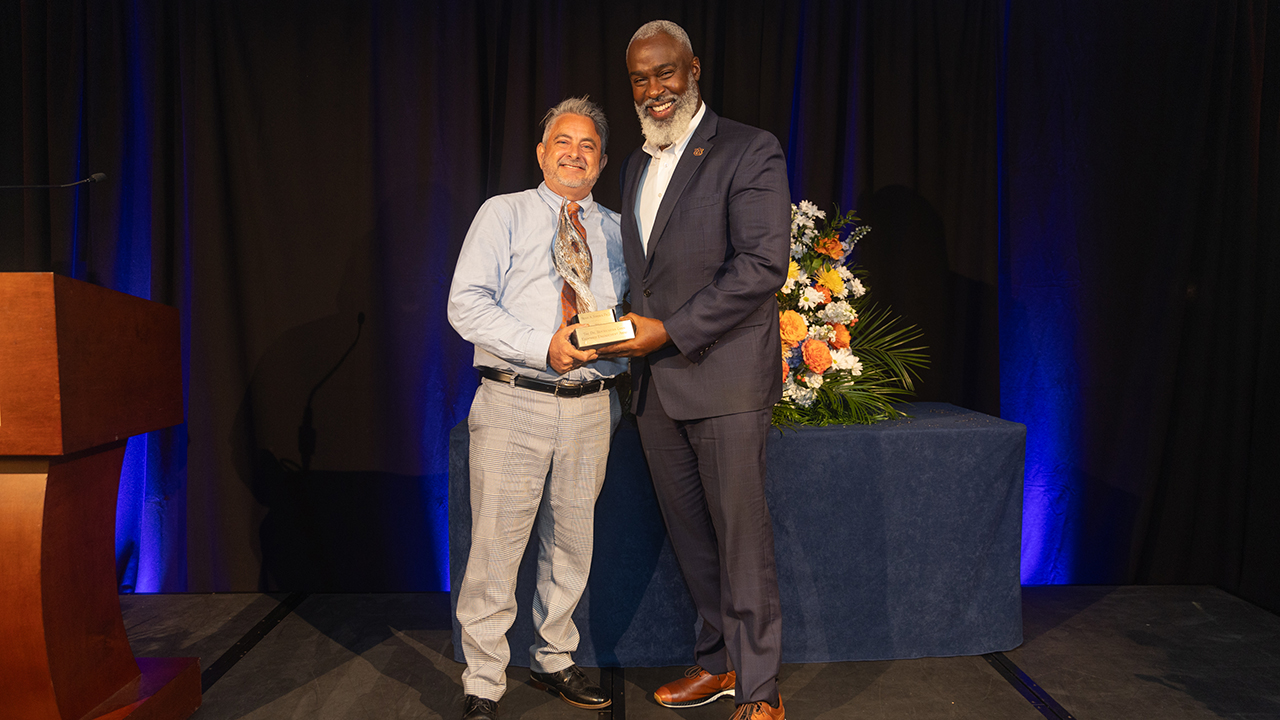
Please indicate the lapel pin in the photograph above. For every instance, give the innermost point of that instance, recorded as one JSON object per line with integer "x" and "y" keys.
{"x": 698, "y": 151}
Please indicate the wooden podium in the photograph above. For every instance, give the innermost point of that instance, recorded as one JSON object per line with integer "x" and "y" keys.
{"x": 82, "y": 368}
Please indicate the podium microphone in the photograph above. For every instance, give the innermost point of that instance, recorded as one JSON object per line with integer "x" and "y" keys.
{"x": 96, "y": 177}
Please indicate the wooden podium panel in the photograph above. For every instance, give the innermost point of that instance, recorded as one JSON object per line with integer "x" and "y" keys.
{"x": 82, "y": 368}
{"x": 81, "y": 365}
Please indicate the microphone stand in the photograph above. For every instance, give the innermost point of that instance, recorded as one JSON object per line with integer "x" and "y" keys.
{"x": 88, "y": 231}
{"x": 307, "y": 431}
{"x": 96, "y": 177}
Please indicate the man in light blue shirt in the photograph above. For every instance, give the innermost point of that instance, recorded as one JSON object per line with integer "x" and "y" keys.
{"x": 544, "y": 413}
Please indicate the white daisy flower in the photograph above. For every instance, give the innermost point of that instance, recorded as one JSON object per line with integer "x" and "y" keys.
{"x": 844, "y": 359}
{"x": 811, "y": 298}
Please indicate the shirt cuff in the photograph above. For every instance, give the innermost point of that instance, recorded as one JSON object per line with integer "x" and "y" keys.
{"x": 535, "y": 353}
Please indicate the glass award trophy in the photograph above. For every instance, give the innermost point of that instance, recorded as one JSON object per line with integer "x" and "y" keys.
{"x": 573, "y": 262}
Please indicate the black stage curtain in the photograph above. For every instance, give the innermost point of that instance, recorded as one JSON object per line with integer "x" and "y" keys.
{"x": 1142, "y": 202}
{"x": 297, "y": 177}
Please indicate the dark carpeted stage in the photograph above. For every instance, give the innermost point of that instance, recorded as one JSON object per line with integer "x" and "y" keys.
{"x": 1098, "y": 653}
{"x": 907, "y": 607}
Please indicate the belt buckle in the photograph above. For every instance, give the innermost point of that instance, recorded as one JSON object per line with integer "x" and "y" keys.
{"x": 579, "y": 389}
{"x": 576, "y": 390}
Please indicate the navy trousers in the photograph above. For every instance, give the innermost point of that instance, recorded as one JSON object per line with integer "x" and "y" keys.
{"x": 709, "y": 478}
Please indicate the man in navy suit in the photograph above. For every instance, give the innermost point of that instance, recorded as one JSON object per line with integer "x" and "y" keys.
{"x": 706, "y": 219}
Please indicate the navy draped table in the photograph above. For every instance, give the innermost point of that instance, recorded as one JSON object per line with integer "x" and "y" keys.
{"x": 896, "y": 540}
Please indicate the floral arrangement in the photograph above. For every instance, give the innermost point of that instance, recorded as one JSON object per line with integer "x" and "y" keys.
{"x": 843, "y": 361}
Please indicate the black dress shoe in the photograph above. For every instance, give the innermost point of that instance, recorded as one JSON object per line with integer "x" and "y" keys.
{"x": 572, "y": 685}
{"x": 478, "y": 708}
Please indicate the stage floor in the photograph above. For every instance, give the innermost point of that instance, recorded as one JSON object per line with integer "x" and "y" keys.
{"x": 1097, "y": 653}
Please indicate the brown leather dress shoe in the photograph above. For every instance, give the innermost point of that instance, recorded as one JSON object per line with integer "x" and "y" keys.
{"x": 697, "y": 687}
{"x": 759, "y": 711}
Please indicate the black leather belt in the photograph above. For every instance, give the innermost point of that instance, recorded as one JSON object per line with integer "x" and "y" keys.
{"x": 566, "y": 389}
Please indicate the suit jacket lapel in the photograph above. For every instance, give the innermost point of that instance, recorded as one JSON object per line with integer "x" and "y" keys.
{"x": 631, "y": 182}
{"x": 690, "y": 161}
{"x": 632, "y": 245}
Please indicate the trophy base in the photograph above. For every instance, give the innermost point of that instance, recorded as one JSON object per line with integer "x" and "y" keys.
{"x": 593, "y": 336}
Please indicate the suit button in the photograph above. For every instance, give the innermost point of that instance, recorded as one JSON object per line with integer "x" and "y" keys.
{"x": 647, "y": 292}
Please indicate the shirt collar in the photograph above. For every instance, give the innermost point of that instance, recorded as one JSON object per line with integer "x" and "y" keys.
{"x": 585, "y": 206}
{"x": 678, "y": 146}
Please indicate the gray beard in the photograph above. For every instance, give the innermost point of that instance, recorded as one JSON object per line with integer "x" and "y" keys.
{"x": 665, "y": 132}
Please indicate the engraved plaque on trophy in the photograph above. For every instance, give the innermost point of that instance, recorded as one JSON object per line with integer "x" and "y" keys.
{"x": 573, "y": 262}
{"x": 601, "y": 327}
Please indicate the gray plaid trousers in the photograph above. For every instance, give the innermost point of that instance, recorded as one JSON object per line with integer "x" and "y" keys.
{"x": 524, "y": 444}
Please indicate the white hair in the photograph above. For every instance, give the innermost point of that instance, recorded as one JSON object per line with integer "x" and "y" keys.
{"x": 656, "y": 27}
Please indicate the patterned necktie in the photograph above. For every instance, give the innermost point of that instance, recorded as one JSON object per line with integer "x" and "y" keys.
{"x": 573, "y": 262}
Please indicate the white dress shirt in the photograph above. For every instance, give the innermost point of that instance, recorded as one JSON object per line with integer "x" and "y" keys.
{"x": 657, "y": 175}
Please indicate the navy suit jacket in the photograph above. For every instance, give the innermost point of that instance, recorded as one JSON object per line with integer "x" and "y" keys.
{"x": 717, "y": 253}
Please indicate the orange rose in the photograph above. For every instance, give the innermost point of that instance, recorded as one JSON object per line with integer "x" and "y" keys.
{"x": 830, "y": 247}
{"x": 841, "y": 339}
{"x": 786, "y": 370}
{"x": 816, "y": 355}
{"x": 793, "y": 327}
{"x": 826, "y": 294}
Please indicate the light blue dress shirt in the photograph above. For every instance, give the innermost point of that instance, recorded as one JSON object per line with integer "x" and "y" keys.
{"x": 505, "y": 296}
